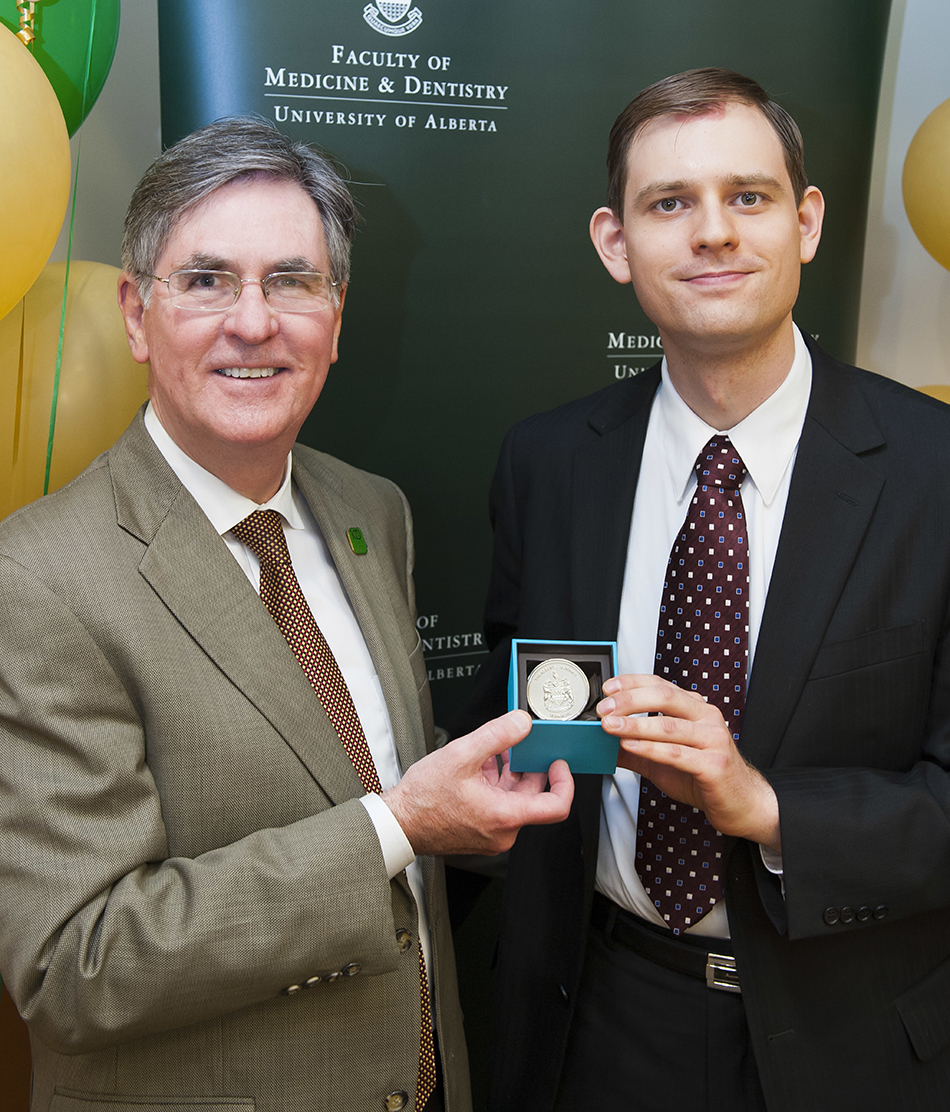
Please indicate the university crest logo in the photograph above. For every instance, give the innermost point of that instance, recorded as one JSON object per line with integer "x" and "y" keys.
{"x": 384, "y": 16}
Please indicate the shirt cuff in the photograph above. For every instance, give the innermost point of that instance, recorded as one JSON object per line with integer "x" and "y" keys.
{"x": 397, "y": 851}
{"x": 770, "y": 859}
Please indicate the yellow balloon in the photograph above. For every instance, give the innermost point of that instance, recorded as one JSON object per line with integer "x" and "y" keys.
{"x": 939, "y": 391}
{"x": 927, "y": 183}
{"x": 101, "y": 386}
{"x": 34, "y": 169}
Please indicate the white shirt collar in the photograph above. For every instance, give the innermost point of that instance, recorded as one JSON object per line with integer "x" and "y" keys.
{"x": 766, "y": 439}
{"x": 223, "y": 506}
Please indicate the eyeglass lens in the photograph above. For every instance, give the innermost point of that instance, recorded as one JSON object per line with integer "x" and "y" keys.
{"x": 218, "y": 289}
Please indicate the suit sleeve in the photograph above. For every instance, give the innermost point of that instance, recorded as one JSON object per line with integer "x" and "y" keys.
{"x": 862, "y": 770}
{"x": 104, "y": 934}
{"x": 862, "y": 845}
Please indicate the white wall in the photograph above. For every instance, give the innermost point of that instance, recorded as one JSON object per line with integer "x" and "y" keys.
{"x": 905, "y": 304}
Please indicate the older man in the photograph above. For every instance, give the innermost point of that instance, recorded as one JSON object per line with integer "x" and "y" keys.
{"x": 214, "y": 854}
{"x": 754, "y": 912}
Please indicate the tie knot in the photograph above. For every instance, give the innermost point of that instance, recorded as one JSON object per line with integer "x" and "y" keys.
{"x": 263, "y": 533}
{"x": 719, "y": 464}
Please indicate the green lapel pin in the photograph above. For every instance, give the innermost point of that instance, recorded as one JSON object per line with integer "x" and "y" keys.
{"x": 357, "y": 540}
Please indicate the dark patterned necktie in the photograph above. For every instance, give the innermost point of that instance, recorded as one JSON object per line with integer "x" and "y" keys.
{"x": 263, "y": 533}
{"x": 702, "y": 645}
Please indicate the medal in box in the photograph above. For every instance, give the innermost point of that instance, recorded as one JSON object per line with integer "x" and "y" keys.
{"x": 559, "y": 683}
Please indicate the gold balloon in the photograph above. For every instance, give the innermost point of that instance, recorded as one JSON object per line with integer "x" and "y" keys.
{"x": 101, "y": 386}
{"x": 927, "y": 183}
{"x": 940, "y": 391}
{"x": 34, "y": 169}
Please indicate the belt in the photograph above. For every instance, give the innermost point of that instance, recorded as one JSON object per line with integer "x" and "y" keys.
{"x": 628, "y": 930}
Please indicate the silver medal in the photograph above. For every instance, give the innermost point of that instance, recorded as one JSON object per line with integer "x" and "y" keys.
{"x": 557, "y": 690}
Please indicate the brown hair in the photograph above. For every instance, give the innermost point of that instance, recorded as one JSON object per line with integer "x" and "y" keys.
{"x": 694, "y": 93}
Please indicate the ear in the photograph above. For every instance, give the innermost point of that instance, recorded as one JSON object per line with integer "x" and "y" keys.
{"x": 130, "y": 302}
{"x": 606, "y": 232}
{"x": 811, "y": 213}
{"x": 338, "y": 314}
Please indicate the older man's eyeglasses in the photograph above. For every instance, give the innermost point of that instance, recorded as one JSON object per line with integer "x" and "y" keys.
{"x": 215, "y": 291}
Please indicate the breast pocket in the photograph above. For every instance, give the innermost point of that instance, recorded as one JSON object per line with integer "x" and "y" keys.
{"x": 866, "y": 700}
{"x": 876, "y": 647}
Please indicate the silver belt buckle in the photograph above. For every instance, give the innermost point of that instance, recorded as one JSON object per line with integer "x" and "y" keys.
{"x": 721, "y": 973}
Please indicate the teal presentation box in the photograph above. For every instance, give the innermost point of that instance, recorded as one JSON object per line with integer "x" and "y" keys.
{"x": 583, "y": 744}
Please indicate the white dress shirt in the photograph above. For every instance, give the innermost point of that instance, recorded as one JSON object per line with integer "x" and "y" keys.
{"x": 767, "y": 441}
{"x": 328, "y": 602}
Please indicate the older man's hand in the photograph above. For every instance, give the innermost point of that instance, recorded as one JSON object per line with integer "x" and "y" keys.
{"x": 457, "y": 800}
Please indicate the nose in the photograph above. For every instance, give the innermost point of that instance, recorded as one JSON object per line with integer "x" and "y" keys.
{"x": 714, "y": 227}
{"x": 251, "y": 318}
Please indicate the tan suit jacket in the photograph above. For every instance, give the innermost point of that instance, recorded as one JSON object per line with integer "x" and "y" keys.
{"x": 181, "y": 843}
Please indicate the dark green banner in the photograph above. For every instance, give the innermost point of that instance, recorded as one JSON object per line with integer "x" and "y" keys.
{"x": 475, "y": 136}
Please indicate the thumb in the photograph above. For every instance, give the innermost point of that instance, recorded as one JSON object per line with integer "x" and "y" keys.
{"x": 495, "y": 736}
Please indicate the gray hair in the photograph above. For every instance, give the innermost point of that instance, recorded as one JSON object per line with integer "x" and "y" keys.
{"x": 215, "y": 155}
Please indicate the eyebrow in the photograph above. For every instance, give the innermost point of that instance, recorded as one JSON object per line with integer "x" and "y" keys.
{"x": 200, "y": 261}
{"x": 298, "y": 264}
{"x": 682, "y": 185}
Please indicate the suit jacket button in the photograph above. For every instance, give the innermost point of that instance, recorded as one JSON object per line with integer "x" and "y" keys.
{"x": 864, "y": 913}
{"x": 847, "y": 915}
{"x": 352, "y": 969}
{"x": 393, "y": 1102}
{"x": 403, "y": 939}
{"x": 831, "y": 916}
{"x": 880, "y": 912}
{"x": 291, "y": 990}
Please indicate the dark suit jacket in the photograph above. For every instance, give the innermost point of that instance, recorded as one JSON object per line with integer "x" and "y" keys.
{"x": 846, "y": 982}
{"x": 181, "y": 842}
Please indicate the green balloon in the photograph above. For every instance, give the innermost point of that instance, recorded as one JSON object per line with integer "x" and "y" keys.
{"x": 61, "y": 47}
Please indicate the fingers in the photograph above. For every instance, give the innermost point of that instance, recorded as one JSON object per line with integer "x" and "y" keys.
{"x": 702, "y": 763}
{"x": 646, "y": 694}
{"x": 665, "y": 725}
{"x": 696, "y": 748}
{"x": 528, "y": 782}
{"x": 491, "y": 771}
{"x": 492, "y": 739}
{"x": 631, "y": 680}
{"x": 667, "y": 728}
{"x": 562, "y": 783}
{"x": 542, "y": 807}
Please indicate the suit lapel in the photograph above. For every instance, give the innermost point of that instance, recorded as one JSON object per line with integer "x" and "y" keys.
{"x": 832, "y": 496}
{"x": 367, "y": 579}
{"x": 189, "y": 567}
{"x": 370, "y": 589}
{"x": 605, "y": 473}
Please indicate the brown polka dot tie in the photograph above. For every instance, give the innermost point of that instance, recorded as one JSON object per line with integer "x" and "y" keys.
{"x": 702, "y": 645}
{"x": 263, "y": 533}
